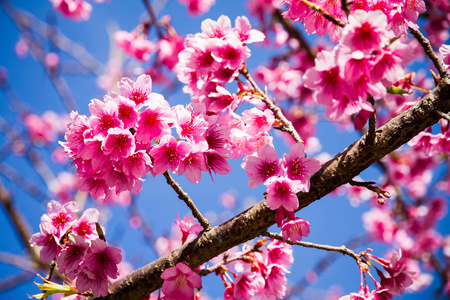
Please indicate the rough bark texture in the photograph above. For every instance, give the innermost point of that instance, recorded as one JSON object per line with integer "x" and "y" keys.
{"x": 254, "y": 221}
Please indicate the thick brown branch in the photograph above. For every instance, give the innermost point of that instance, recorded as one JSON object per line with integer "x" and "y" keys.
{"x": 255, "y": 221}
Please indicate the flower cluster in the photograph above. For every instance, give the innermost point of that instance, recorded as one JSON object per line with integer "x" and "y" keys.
{"x": 213, "y": 56}
{"x": 134, "y": 44}
{"x": 284, "y": 178}
{"x": 260, "y": 272}
{"x": 80, "y": 253}
{"x": 370, "y": 62}
{"x": 130, "y": 135}
{"x": 400, "y": 15}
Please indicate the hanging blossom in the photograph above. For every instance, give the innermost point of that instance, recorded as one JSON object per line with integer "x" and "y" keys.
{"x": 198, "y": 7}
{"x": 129, "y": 135}
{"x": 284, "y": 178}
{"x": 75, "y": 245}
{"x": 394, "y": 284}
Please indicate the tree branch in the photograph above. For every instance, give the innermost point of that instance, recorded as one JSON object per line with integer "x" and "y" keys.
{"x": 429, "y": 51}
{"x": 255, "y": 220}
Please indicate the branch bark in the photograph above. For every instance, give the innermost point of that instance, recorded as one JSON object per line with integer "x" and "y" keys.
{"x": 255, "y": 221}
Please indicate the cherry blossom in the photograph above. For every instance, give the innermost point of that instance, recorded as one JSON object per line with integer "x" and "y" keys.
{"x": 179, "y": 282}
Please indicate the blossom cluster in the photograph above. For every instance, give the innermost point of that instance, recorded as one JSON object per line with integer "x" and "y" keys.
{"x": 130, "y": 135}
{"x": 365, "y": 63}
{"x": 395, "y": 280}
{"x": 215, "y": 56}
{"x": 400, "y": 15}
{"x": 260, "y": 273}
{"x": 80, "y": 253}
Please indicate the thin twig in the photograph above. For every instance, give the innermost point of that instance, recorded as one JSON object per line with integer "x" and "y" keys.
{"x": 275, "y": 109}
{"x": 342, "y": 249}
{"x": 371, "y": 135}
{"x": 345, "y": 7}
{"x": 294, "y": 33}
{"x": 185, "y": 197}
{"x": 430, "y": 52}
{"x": 153, "y": 18}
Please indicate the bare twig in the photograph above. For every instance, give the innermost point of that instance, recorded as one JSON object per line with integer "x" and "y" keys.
{"x": 288, "y": 127}
{"x": 185, "y": 197}
{"x": 430, "y": 52}
{"x": 153, "y": 18}
{"x": 342, "y": 249}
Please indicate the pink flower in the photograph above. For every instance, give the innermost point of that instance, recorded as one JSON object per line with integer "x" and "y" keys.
{"x": 281, "y": 192}
{"x": 263, "y": 166}
{"x": 230, "y": 52}
{"x": 188, "y": 227}
{"x": 119, "y": 143}
{"x": 295, "y": 229}
{"x": 103, "y": 259}
{"x": 245, "y": 33}
{"x": 326, "y": 77}
{"x": 60, "y": 216}
{"x": 70, "y": 258}
{"x": 366, "y": 31}
{"x": 75, "y": 9}
{"x": 85, "y": 226}
{"x": 48, "y": 239}
{"x": 217, "y": 163}
{"x": 137, "y": 164}
{"x": 444, "y": 50}
{"x": 154, "y": 122}
{"x": 194, "y": 163}
{"x": 279, "y": 253}
{"x": 198, "y": 7}
{"x": 257, "y": 121}
{"x": 92, "y": 280}
{"x": 247, "y": 285}
{"x": 94, "y": 184}
{"x": 134, "y": 44}
{"x": 138, "y": 92}
{"x": 105, "y": 115}
{"x": 190, "y": 122}
{"x": 298, "y": 167}
{"x": 127, "y": 109}
{"x": 168, "y": 154}
{"x": 275, "y": 282}
{"x": 180, "y": 281}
